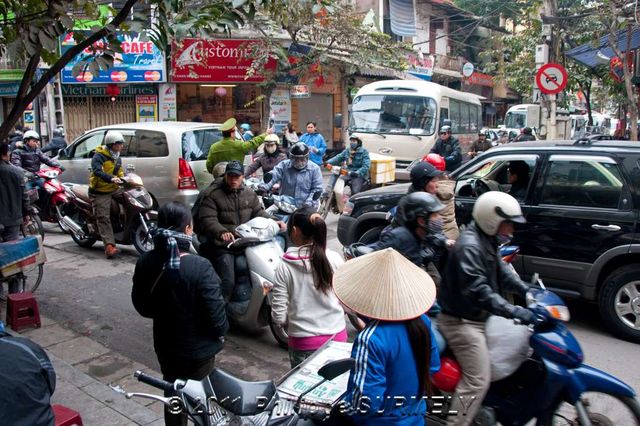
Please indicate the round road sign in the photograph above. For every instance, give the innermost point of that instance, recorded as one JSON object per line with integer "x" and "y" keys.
{"x": 467, "y": 69}
{"x": 551, "y": 79}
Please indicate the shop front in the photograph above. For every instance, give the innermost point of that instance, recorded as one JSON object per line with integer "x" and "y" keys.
{"x": 9, "y": 86}
{"x": 212, "y": 85}
{"x": 124, "y": 93}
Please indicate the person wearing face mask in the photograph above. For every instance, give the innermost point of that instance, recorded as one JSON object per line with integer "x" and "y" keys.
{"x": 299, "y": 178}
{"x": 271, "y": 157}
{"x": 358, "y": 163}
{"x": 104, "y": 180}
{"x": 472, "y": 284}
{"x": 418, "y": 236}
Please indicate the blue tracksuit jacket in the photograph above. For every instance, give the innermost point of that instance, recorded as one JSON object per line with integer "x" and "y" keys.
{"x": 315, "y": 140}
{"x": 385, "y": 367}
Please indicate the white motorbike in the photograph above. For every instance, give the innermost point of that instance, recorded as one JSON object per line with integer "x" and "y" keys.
{"x": 251, "y": 308}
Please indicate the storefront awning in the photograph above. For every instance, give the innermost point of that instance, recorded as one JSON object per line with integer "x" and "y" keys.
{"x": 446, "y": 72}
{"x": 587, "y": 54}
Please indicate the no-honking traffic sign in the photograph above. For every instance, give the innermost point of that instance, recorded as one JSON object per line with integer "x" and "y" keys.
{"x": 551, "y": 79}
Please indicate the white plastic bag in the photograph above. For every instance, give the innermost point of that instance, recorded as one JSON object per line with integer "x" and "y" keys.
{"x": 508, "y": 346}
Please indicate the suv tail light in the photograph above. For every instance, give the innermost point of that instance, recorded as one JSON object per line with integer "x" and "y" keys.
{"x": 186, "y": 179}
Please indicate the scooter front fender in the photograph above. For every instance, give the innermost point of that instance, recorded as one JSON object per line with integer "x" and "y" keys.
{"x": 589, "y": 379}
{"x": 59, "y": 198}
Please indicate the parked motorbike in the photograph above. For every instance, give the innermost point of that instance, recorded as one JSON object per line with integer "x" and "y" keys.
{"x": 132, "y": 218}
{"x": 553, "y": 385}
{"x": 250, "y": 304}
{"x": 220, "y": 398}
{"x": 51, "y": 196}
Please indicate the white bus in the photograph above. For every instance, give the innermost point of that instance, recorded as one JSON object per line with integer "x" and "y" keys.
{"x": 401, "y": 118}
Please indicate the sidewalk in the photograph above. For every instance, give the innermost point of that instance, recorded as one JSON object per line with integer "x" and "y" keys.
{"x": 84, "y": 369}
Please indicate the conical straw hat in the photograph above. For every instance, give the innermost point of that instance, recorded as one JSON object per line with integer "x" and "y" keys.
{"x": 384, "y": 285}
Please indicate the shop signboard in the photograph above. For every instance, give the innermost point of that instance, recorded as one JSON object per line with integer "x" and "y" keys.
{"x": 28, "y": 117}
{"x": 146, "y": 108}
{"x": 101, "y": 90}
{"x": 479, "y": 79}
{"x": 295, "y": 54}
{"x": 168, "y": 102}
{"x": 140, "y": 62}
{"x": 214, "y": 61}
{"x": 421, "y": 66}
{"x": 9, "y": 90}
{"x": 280, "y": 109}
{"x": 300, "y": 91}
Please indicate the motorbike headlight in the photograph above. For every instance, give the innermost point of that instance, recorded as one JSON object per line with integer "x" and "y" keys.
{"x": 559, "y": 312}
{"x": 51, "y": 174}
{"x": 286, "y": 207}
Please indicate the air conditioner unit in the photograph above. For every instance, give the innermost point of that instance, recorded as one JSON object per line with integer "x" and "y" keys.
{"x": 542, "y": 54}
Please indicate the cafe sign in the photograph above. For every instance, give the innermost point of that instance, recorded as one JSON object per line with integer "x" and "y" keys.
{"x": 196, "y": 60}
{"x": 140, "y": 62}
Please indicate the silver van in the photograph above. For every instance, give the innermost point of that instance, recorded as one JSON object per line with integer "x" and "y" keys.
{"x": 169, "y": 156}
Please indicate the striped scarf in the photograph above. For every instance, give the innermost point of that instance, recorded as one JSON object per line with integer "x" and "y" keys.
{"x": 169, "y": 236}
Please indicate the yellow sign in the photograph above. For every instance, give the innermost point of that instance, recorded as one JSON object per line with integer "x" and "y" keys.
{"x": 146, "y": 108}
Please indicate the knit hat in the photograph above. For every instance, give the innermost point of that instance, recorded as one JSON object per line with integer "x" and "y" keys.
{"x": 384, "y": 285}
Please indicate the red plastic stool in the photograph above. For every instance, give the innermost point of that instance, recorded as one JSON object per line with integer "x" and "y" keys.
{"x": 22, "y": 311}
{"x": 66, "y": 416}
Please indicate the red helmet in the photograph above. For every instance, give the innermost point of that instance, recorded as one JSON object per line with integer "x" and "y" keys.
{"x": 435, "y": 160}
{"x": 447, "y": 378}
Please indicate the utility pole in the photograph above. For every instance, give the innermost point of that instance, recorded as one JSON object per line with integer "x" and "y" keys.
{"x": 550, "y": 8}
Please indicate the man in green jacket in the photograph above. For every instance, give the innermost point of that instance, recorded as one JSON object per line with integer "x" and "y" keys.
{"x": 229, "y": 148}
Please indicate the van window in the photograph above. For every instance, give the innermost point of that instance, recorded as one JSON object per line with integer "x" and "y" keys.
{"x": 196, "y": 143}
{"x": 147, "y": 144}
{"x": 84, "y": 147}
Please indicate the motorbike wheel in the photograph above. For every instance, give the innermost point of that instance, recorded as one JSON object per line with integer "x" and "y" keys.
{"x": 603, "y": 409}
{"x": 280, "y": 334}
{"x": 26, "y": 281}
{"x": 88, "y": 240}
{"x": 142, "y": 240}
{"x": 325, "y": 206}
{"x": 34, "y": 227}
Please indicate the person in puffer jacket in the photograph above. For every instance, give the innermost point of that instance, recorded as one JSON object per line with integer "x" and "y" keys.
{"x": 358, "y": 163}
{"x": 302, "y": 298}
{"x": 30, "y": 157}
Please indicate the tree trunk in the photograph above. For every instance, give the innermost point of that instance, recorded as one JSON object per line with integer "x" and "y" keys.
{"x": 632, "y": 99}
{"x": 25, "y": 97}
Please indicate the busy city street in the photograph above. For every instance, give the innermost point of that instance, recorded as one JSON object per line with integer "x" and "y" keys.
{"x": 305, "y": 212}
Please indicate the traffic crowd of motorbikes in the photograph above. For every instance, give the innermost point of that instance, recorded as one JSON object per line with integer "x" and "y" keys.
{"x": 439, "y": 337}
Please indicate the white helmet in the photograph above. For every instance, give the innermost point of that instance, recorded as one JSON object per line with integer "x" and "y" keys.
{"x": 31, "y": 134}
{"x": 272, "y": 137}
{"x": 113, "y": 137}
{"x": 494, "y": 207}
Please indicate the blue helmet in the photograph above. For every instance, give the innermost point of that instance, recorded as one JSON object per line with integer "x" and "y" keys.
{"x": 245, "y": 126}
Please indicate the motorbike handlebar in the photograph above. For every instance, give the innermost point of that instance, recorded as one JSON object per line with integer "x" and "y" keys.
{"x": 153, "y": 381}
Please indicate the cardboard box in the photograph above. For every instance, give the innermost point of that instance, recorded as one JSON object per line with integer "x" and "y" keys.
{"x": 383, "y": 169}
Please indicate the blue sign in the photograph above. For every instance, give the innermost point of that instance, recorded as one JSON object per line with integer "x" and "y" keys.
{"x": 9, "y": 89}
{"x": 140, "y": 62}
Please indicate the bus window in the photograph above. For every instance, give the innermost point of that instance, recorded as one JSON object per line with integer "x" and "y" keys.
{"x": 394, "y": 114}
{"x": 455, "y": 116}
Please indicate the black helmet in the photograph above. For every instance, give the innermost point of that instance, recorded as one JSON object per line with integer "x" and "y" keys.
{"x": 422, "y": 173}
{"x": 299, "y": 155}
{"x": 415, "y": 205}
{"x": 527, "y": 131}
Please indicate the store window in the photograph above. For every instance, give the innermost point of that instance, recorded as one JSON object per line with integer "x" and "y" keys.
{"x": 212, "y": 103}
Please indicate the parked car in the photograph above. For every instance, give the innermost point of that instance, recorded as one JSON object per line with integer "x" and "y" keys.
{"x": 169, "y": 156}
{"x": 582, "y": 206}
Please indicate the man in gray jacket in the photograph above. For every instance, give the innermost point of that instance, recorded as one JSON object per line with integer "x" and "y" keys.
{"x": 14, "y": 201}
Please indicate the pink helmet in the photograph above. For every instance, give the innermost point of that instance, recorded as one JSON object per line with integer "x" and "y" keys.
{"x": 435, "y": 160}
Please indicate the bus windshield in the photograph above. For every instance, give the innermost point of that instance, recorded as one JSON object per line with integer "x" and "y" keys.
{"x": 393, "y": 114}
{"x": 515, "y": 120}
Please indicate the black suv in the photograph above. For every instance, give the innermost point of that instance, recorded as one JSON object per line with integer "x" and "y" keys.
{"x": 582, "y": 205}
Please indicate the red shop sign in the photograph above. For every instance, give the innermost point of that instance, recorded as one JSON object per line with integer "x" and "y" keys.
{"x": 479, "y": 79}
{"x": 217, "y": 61}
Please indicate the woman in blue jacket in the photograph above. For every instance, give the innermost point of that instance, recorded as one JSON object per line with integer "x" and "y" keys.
{"x": 315, "y": 142}
{"x": 396, "y": 352}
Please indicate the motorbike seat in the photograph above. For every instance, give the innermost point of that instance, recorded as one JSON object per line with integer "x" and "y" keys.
{"x": 241, "y": 397}
{"x": 82, "y": 192}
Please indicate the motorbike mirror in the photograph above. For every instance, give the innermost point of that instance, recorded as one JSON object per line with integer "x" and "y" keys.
{"x": 333, "y": 369}
{"x": 317, "y": 195}
{"x": 130, "y": 168}
{"x": 337, "y": 121}
{"x": 267, "y": 177}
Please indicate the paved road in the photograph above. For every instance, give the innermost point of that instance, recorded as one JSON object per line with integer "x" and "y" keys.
{"x": 91, "y": 295}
